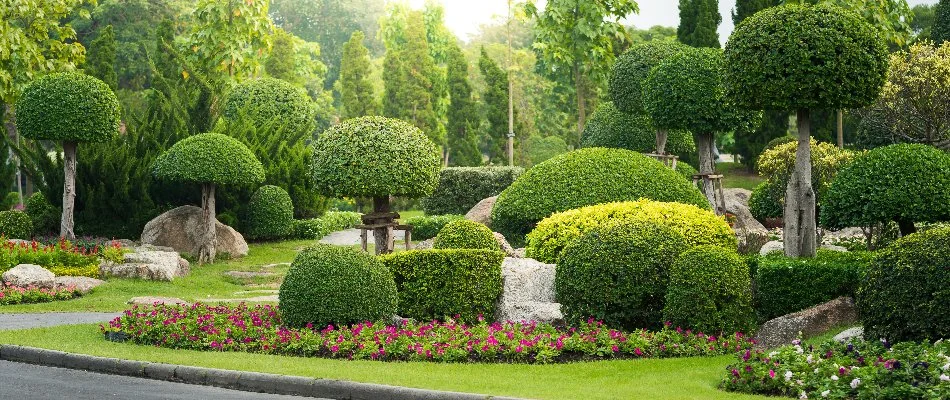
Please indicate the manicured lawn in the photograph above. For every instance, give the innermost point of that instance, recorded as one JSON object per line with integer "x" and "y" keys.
{"x": 736, "y": 175}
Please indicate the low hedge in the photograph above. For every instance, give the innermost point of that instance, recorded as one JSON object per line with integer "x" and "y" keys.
{"x": 332, "y": 221}
{"x": 270, "y": 214}
{"x": 460, "y": 188}
{"x": 425, "y": 227}
{"x": 463, "y": 284}
{"x": 710, "y": 291}
{"x": 465, "y": 234}
{"x": 15, "y": 225}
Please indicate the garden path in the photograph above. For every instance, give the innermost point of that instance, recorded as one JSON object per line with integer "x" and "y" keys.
{"x": 351, "y": 237}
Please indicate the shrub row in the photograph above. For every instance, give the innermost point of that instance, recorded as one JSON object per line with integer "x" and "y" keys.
{"x": 460, "y": 188}
{"x": 425, "y": 227}
{"x": 62, "y": 257}
{"x": 332, "y": 221}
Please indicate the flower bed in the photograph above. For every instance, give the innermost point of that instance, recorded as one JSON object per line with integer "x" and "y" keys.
{"x": 259, "y": 330}
{"x": 16, "y": 295}
{"x": 62, "y": 258}
{"x": 859, "y": 370}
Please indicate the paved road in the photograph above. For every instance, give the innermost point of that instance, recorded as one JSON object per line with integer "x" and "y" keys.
{"x": 26, "y": 321}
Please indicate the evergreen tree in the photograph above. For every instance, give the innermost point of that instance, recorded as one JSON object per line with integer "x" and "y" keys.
{"x": 940, "y": 32}
{"x": 100, "y": 60}
{"x": 746, "y": 8}
{"x": 356, "y": 90}
{"x": 462, "y": 115}
{"x": 495, "y": 99}
{"x": 280, "y": 62}
{"x": 699, "y": 20}
{"x": 407, "y": 76}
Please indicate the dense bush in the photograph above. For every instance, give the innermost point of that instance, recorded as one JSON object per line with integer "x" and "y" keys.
{"x": 618, "y": 273}
{"x": 427, "y": 226}
{"x": 785, "y": 285}
{"x": 49, "y": 109}
{"x": 778, "y": 163}
{"x": 10, "y": 200}
{"x": 45, "y": 217}
{"x": 332, "y": 221}
{"x": 27, "y": 295}
{"x": 460, "y": 188}
{"x": 209, "y": 158}
{"x": 904, "y": 296}
{"x": 62, "y": 258}
{"x": 582, "y": 178}
{"x": 463, "y": 284}
{"x": 336, "y": 285}
{"x": 264, "y": 101}
{"x": 609, "y": 127}
{"x": 465, "y": 234}
{"x": 698, "y": 227}
{"x": 538, "y": 149}
{"x": 766, "y": 200}
{"x": 710, "y": 291}
{"x": 778, "y": 142}
{"x": 270, "y": 214}
{"x": 686, "y": 170}
{"x": 15, "y": 225}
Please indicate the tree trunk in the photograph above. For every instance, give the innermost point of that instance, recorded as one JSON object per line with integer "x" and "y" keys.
{"x": 581, "y": 92}
{"x": 800, "y": 225}
{"x": 707, "y": 166}
{"x": 382, "y": 236}
{"x": 840, "y": 129}
{"x": 906, "y": 226}
{"x": 69, "y": 190}
{"x": 209, "y": 236}
{"x": 661, "y": 135}
{"x": 12, "y": 135}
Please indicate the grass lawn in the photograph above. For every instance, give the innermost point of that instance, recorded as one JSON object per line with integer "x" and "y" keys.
{"x": 736, "y": 175}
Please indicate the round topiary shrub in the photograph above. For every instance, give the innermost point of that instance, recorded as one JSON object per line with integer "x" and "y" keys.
{"x": 697, "y": 226}
{"x": 582, "y": 178}
{"x": 618, "y": 274}
{"x": 765, "y": 200}
{"x": 904, "y": 294}
{"x": 44, "y": 215}
{"x": 336, "y": 285}
{"x": 15, "y": 225}
{"x": 270, "y": 214}
{"x": 610, "y": 127}
{"x": 465, "y": 234}
{"x": 778, "y": 163}
{"x": 266, "y": 101}
{"x": 68, "y": 107}
{"x": 632, "y": 69}
{"x": 710, "y": 291}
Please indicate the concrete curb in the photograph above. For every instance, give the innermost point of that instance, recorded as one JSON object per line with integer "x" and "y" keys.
{"x": 245, "y": 381}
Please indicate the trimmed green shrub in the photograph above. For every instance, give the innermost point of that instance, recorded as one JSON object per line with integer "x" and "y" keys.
{"x": 582, "y": 178}
{"x": 270, "y": 214}
{"x": 265, "y": 101}
{"x": 336, "y": 285}
{"x": 618, "y": 274}
{"x": 778, "y": 163}
{"x": 538, "y": 149}
{"x": 778, "y": 142}
{"x": 686, "y": 170}
{"x": 766, "y": 200}
{"x": 904, "y": 296}
{"x": 710, "y": 291}
{"x": 209, "y": 158}
{"x": 70, "y": 107}
{"x": 631, "y": 70}
{"x": 331, "y": 221}
{"x": 454, "y": 283}
{"x": 697, "y": 226}
{"x": 609, "y": 127}
{"x": 15, "y": 225}
{"x": 460, "y": 188}
{"x": 785, "y": 285}
{"x": 465, "y": 234}
{"x": 10, "y": 200}
{"x": 44, "y": 215}
{"x": 427, "y": 226}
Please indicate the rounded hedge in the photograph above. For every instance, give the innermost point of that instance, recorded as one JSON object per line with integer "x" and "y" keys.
{"x": 70, "y": 107}
{"x": 270, "y": 214}
{"x": 44, "y": 215}
{"x": 778, "y": 163}
{"x": 609, "y": 127}
{"x": 710, "y": 291}
{"x": 687, "y": 171}
{"x": 336, "y": 285}
{"x": 618, "y": 274}
{"x": 375, "y": 157}
{"x": 766, "y": 200}
{"x": 907, "y": 182}
{"x": 465, "y": 234}
{"x": 15, "y": 225}
{"x": 209, "y": 158}
{"x": 268, "y": 100}
{"x": 697, "y": 226}
{"x": 804, "y": 57}
{"x": 582, "y": 178}
{"x": 631, "y": 70}
{"x": 904, "y": 294}
{"x": 428, "y": 226}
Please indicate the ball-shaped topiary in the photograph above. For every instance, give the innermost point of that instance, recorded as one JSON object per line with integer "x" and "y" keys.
{"x": 631, "y": 70}
{"x": 336, "y": 285}
{"x": 270, "y": 214}
{"x": 272, "y": 101}
{"x": 710, "y": 291}
{"x": 618, "y": 274}
{"x": 904, "y": 294}
{"x": 209, "y": 158}
{"x": 69, "y": 107}
{"x": 582, "y": 178}
{"x": 906, "y": 183}
{"x": 766, "y": 200}
{"x": 15, "y": 225}
{"x": 697, "y": 226}
{"x": 465, "y": 234}
{"x": 609, "y": 127}
{"x": 44, "y": 215}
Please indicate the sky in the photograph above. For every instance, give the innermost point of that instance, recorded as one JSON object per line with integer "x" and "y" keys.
{"x": 464, "y": 16}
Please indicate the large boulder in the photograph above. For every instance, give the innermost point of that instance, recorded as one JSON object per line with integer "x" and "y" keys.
{"x": 779, "y": 246}
{"x": 148, "y": 263}
{"x": 179, "y": 229}
{"x": 24, "y": 275}
{"x": 83, "y": 284}
{"x": 813, "y": 321}
{"x": 481, "y": 212}
{"x": 506, "y": 247}
{"x": 737, "y": 203}
{"x": 528, "y": 292}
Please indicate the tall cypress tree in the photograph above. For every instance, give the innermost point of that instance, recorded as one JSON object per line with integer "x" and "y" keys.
{"x": 280, "y": 63}
{"x": 746, "y": 8}
{"x": 463, "y": 118}
{"x": 100, "y": 62}
{"x": 356, "y": 90}
{"x": 407, "y": 75}
{"x": 941, "y": 30}
{"x": 495, "y": 99}
{"x": 699, "y": 20}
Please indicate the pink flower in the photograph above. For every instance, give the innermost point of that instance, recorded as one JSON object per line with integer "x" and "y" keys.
{"x": 772, "y": 373}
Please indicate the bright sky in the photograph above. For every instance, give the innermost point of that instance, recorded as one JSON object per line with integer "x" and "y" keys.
{"x": 464, "y": 16}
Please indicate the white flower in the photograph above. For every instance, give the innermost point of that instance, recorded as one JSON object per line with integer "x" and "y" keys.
{"x": 803, "y": 396}
{"x": 834, "y": 377}
{"x": 945, "y": 378}
{"x": 788, "y": 375}
{"x": 855, "y": 383}
{"x": 797, "y": 341}
{"x": 825, "y": 393}
{"x": 773, "y": 354}
{"x": 816, "y": 370}
{"x": 945, "y": 366}
{"x": 799, "y": 349}
{"x": 810, "y": 359}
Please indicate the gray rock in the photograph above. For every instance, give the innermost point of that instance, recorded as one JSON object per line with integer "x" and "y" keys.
{"x": 24, "y": 275}
{"x": 481, "y": 212}
{"x": 813, "y": 321}
{"x": 148, "y": 264}
{"x": 528, "y": 292}
{"x": 84, "y": 284}
{"x": 151, "y": 300}
{"x": 850, "y": 334}
{"x": 248, "y": 274}
{"x": 846, "y": 233}
{"x": 179, "y": 229}
{"x": 424, "y": 245}
{"x": 506, "y": 247}
{"x": 737, "y": 203}
{"x": 834, "y": 248}
{"x": 779, "y": 246}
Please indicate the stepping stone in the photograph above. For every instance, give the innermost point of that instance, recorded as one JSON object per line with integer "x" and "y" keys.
{"x": 249, "y": 292}
{"x": 258, "y": 299}
{"x": 249, "y": 274}
{"x": 151, "y": 300}
{"x": 272, "y": 285}
{"x": 268, "y": 266}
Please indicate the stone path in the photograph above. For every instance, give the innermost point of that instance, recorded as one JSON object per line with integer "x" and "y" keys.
{"x": 351, "y": 237}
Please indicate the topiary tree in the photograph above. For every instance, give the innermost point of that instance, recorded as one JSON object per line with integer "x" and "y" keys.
{"x": 269, "y": 102}
{"x": 609, "y": 127}
{"x": 804, "y": 58}
{"x": 465, "y": 234}
{"x": 15, "y": 224}
{"x": 376, "y": 157}
{"x": 710, "y": 291}
{"x": 270, "y": 213}
{"x": 209, "y": 159}
{"x": 71, "y": 108}
{"x": 905, "y": 183}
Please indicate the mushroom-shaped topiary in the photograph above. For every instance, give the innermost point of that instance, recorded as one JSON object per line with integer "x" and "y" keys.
{"x": 209, "y": 159}
{"x": 376, "y": 157}
{"x": 610, "y": 127}
{"x": 803, "y": 58}
{"x": 272, "y": 101}
{"x": 71, "y": 108}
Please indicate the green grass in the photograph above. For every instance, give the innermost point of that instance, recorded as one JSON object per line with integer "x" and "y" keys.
{"x": 736, "y": 175}
{"x": 404, "y": 215}
{"x": 680, "y": 378}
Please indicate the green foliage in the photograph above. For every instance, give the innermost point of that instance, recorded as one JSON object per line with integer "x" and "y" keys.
{"x": 298, "y": 62}
{"x": 923, "y": 21}
{"x": 272, "y": 102}
{"x": 209, "y": 158}
{"x": 686, "y": 170}
{"x": 778, "y": 163}
{"x": 903, "y": 297}
{"x": 633, "y": 68}
{"x": 409, "y": 73}
{"x": 902, "y": 182}
{"x": 609, "y": 127}
{"x": 618, "y": 274}
{"x": 336, "y": 285}
{"x": 940, "y": 32}
{"x": 553, "y": 234}
{"x": 699, "y": 20}
{"x": 710, "y": 291}
{"x": 374, "y": 157}
{"x": 437, "y": 284}
{"x": 802, "y": 57}
{"x": 463, "y": 118}
{"x": 785, "y": 285}
{"x": 15, "y": 225}
{"x": 586, "y": 177}
{"x": 891, "y": 18}
{"x": 331, "y": 221}
{"x": 541, "y": 149}
{"x": 227, "y": 38}
{"x": 750, "y": 142}
{"x": 428, "y": 226}
{"x": 100, "y": 60}
{"x": 460, "y": 188}
{"x": 495, "y": 100}
{"x": 70, "y": 107}
{"x": 746, "y": 8}
{"x": 356, "y": 90}
{"x": 270, "y": 214}
{"x": 44, "y": 217}
{"x": 465, "y": 234}
{"x": 10, "y": 200}
{"x": 766, "y": 200}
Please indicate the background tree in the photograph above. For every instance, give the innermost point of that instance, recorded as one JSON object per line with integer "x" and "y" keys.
{"x": 746, "y": 8}
{"x": 228, "y": 38}
{"x": 100, "y": 60}
{"x": 462, "y": 127}
{"x": 699, "y": 20}
{"x": 940, "y": 32}
{"x": 891, "y": 17}
{"x": 923, "y": 21}
{"x": 357, "y": 94}
{"x": 407, "y": 75}
{"x": 298, "y": 62}
{"x": 495, "y": 100}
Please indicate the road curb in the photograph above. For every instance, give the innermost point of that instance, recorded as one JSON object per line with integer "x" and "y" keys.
{"x": 228, "y": 379}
